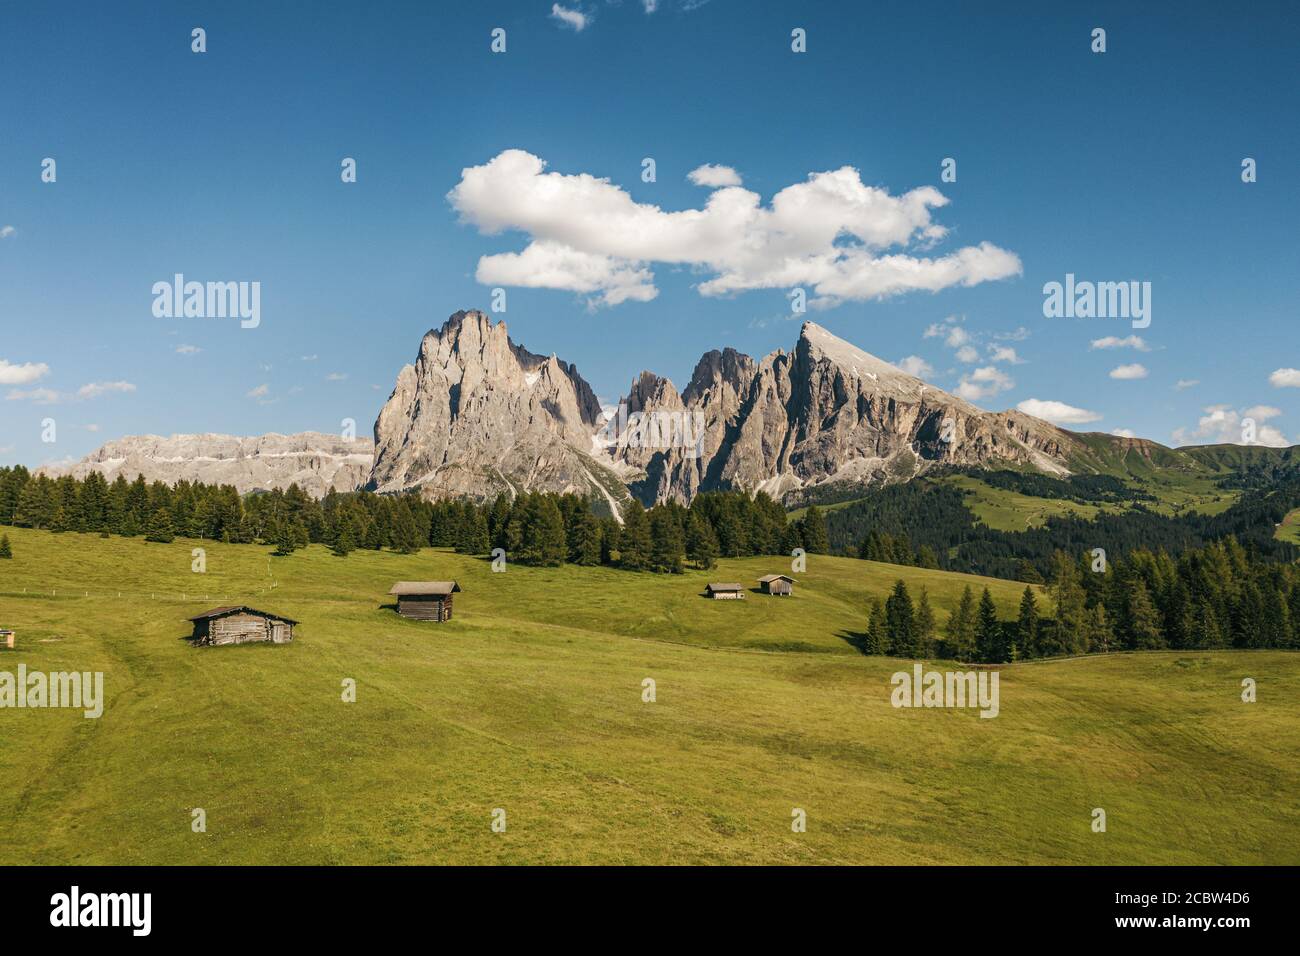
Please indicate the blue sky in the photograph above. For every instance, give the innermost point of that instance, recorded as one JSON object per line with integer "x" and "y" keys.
{"x": 225, "y": 166}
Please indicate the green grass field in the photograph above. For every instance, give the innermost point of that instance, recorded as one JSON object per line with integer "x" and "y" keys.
{"x": 531, "y": 701}
{"x": 1289, "y": 529}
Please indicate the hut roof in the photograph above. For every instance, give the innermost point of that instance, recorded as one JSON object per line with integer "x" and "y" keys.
{"x": 234, "y": 608}
{"x": 726, "y": 587}
{"x": 769, "y": 578}
{"x": 437, "y": 588}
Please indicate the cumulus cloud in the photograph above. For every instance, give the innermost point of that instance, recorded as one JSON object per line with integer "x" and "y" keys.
{"x": 915, "y": 365}
{"x": 1224, "y": 425}
{"x": 714, "y": 177}
{"x": 831, "y": 232}
{"x": 968, "y": 354}
{"x": 1123, "y": 433}
{"x": 96, "y": 389}
{"x": 7, "y": 231}
{"x": 188, "y": 350}
{"x": 41, "y": 396}
{"x": 984, "y": 382}
{"x": 570, "y": 17}
{"x": 1058, "y": 413}
{"x": 1285, "y": 378}
{"x": 1115, "y": 342}
{"x": 48, "y": 396}
{"x": 23, "y": 374}
{"x": 1004, "y": 353}
{"x": 1184, "y": 383}
{"x": 1129, "y": 372}
{"x": 261, "y": 391}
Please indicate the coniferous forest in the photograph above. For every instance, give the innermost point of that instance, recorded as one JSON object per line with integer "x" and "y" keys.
{"x": 1189, "y": 581}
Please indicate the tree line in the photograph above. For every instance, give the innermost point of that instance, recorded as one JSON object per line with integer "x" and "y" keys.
{"x": 1218, "y": 596}
{"x": 532, "y": 528}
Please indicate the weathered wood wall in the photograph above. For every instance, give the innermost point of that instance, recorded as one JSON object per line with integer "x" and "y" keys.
{"x": 421, "y": 607}
{"x": 243, "y": 629}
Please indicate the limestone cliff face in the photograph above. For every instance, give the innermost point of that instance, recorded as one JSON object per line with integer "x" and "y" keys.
{"x": 828, "y": 412}
{"x": 314, "y": 461}
{"x": 477, "y": 415}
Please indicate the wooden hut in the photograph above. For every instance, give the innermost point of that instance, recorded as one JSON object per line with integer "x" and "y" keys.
{"x": 6, "y": 638}
{"x": 425, "y": 600}
{"x": 241, "y": 624}
{"x": 780, "y": 584}
{"x": 724, "y": 592}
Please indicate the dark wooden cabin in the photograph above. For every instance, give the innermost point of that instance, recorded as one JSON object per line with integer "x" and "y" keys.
{"x": 781, "y": 584}
{"x": 425, "y": 600}
{"x": 724, "y": 592}
{"x": 241, "y": 624}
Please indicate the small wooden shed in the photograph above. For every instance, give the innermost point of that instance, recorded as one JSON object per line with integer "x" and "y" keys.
{"x": 425, "y": 600}
{"x": 6, "y": 638}
{"x": 780, "y": 584}
{"x": 724, "y": 592}
{"x": 241, "y": 624}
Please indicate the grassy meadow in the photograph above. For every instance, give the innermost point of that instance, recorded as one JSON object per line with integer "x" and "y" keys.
{"x": 530, "y": 700}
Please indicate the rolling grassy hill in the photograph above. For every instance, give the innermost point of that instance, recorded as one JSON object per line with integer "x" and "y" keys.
{"x": 531, "y": 701}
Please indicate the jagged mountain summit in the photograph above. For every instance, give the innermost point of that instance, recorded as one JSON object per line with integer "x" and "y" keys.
{"x": 316, "y": 462}
{"x": 477, "y": 414}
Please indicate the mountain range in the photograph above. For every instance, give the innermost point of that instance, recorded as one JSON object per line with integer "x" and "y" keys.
{"x": 476, "y": 415}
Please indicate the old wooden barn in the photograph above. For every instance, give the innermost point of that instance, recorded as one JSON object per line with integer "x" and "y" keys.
{"x": 724, "y": 592}
{"x": 241, "y": 624}
{"x": 781, "y": 584}
{"x": 425, "y": 600}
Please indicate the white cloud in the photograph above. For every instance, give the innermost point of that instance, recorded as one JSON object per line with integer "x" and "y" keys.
{"x": 1184, "y": 383}
{"x": 260, "y": 391}
{"x": 714, "y": 176}
{"x": 23, "y": 374}
{"x": 1224, "y": 425}
{"x": 570, "y": 17}
{"x": 310, "y": 358}
{"x": 188, "y": 350}
{"x": 1123, "y": 433}
{"x": 41, "y": 396}
{"x": 830, "y": 233}
{"x": 650, "y": 5}
{"x": 968, "y": 354}
{"x": 1261, "y": 412}
{"x": 92, "y": 428}
{"x": 336, "y": 377}
{"x": 1019, "y": 335}
{"x": 96, "y": 389}
{"x": 1115, "y": 342}
{"x": 1004, "y": 353}
{"x": 1129, "y": 372}
{"x": 7, "y": 231}
{"x": 1285, "y": 378}
{"x": 984, "y": 382}
{"x": 915, "y": 365}
{"x": 1058, "y": 413}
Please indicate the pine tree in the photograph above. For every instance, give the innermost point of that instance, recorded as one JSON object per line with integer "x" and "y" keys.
{"x": 284, "y": 543}
{"x": 1143, "y": 620}
{"x": 584, "y": 542}
{"x": 5, "y": 550}
{"x": 988, "y": 632}
{"x": 900, "y": 622}
{"x": 1027, "y": 625}
{"x": 701, "y": 542}
{"x": 1100, "y": 636}
{"x": 877, "y": 637}
{"x": 1068, "y": 635}
{"x": 925, "y": 626}
{"x": 634, "y": 540}
{"x": 815, "y": 540}
{"x": 959, "y": 632}
{"x": 160, "y": 527}
{"x": 345, "y": 543}
{"x": 666, "y": 544}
